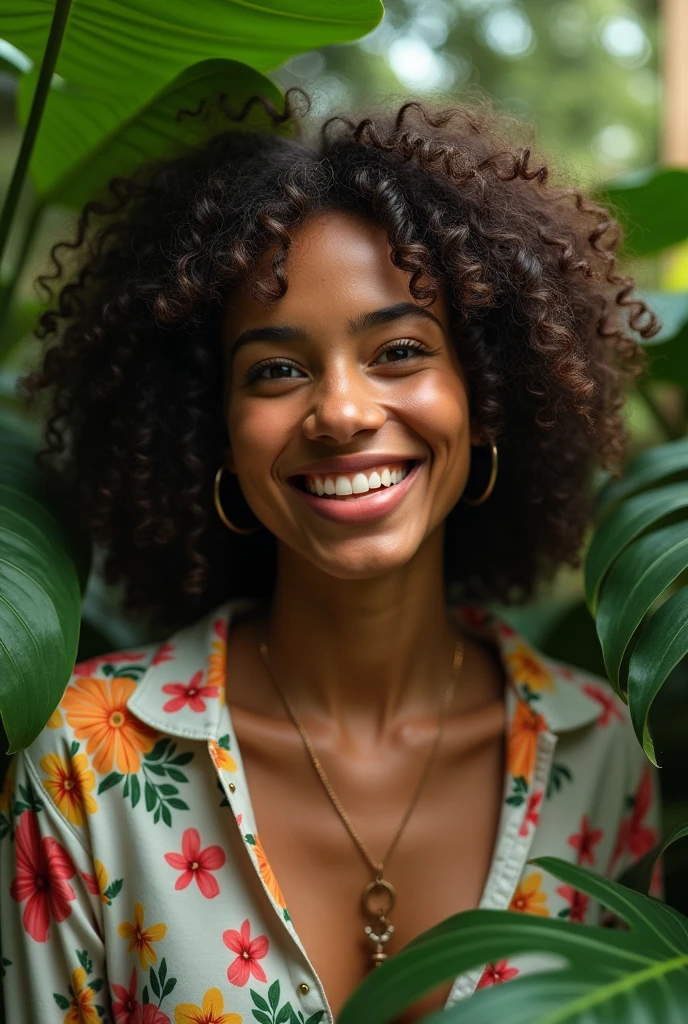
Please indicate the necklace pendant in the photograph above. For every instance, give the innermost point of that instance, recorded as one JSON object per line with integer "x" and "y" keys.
{"x": 379, "y": 936}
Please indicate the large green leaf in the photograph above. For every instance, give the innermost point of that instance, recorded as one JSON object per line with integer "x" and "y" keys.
{"x": 645, "y": 470}
{"x": 157, "y": 131}
{"x": 640, "y": 575}
{"x": 42, "y": 573}
{"x": 653, "y": 206}
{"x": 117, "y": 55}
{"x": 661, "y": 646}
{"x": 623, "y": 525}
{"x": 597, "y": 976}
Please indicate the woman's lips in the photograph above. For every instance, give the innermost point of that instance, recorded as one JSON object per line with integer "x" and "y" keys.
{"x": 362, "y": 508}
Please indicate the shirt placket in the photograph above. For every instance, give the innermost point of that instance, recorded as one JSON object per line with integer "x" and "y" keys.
{"x": 235, "y": 788}
{"x": 511, "y": 852}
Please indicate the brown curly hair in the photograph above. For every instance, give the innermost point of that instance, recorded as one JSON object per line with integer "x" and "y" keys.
{"x": 544, "y": 324}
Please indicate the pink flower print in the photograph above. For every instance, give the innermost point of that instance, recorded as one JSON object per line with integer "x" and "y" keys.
{"x": 577, "y": 900}
{"x": 585, "y": 840}
{"x": 163, "y": 654}
{"x": 532, "y": 815}
{"x": 495, "y": 974}
{"x": 193, "y": 862}
{"x": 192, "y": 694}
{"x": 249, "y": 951}
{"x": 43, "y": 867}
{"x": 220, "y": 628}
{"x": 609, "y": 707}
{"x": 126, "y": 1004}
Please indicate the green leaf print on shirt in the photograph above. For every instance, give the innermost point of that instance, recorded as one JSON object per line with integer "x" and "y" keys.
{"x": 266, "y": 1010}
{"x": 558, "y": 776}
{"x": 160, "y": 797}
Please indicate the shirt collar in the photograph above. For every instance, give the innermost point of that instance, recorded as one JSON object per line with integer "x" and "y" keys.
{"x": 182, "y": 690}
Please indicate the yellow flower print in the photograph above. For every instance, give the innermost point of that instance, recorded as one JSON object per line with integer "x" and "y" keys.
{"x": 529, "y": 898}
{"x": 140, "y": 938}
{"x": 69, "y": 783}
{"x": 81, "y": 1009}
{"x": 212, "y": 1011}
{"x": 222, "y": 758}
{"x": 55, "y": 720}
{"x": 528, "y": 669}
{"x": 100, "y": 885}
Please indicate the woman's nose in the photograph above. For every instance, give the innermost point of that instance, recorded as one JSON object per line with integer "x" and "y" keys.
{"x": 344, "y": 404}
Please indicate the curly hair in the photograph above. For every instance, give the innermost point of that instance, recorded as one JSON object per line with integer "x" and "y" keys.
{"x": 544, "y": 323}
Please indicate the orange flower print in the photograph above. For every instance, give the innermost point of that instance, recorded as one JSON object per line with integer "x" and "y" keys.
{"x": 528, "y": 669}
{"x": 81, "y": 1009}
{"x": 522, "y": 746}
{"x": 529, "y": 898}
{"x": 141, "y": 939}
{"x": 266, "y": 872}
{"x": 219, "y": 751}
{"x": 69, "y": 783}
{"x": 217, "y": 659}
{"x": 211, "y": 1012}
{"x": 97, "y": 711}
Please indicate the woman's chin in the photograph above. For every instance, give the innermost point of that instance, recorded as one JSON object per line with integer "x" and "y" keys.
{"x": 366, "y": 559}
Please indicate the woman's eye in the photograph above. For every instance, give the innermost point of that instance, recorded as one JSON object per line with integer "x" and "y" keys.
{"x": 274, "y": 371}
{"x": 399, "y": 353}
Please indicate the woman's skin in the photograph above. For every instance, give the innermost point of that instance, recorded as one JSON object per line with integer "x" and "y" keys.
{"x": 358, "y": 632}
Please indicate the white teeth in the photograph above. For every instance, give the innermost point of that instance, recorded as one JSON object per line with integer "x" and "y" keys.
{"x": 359, "y": 483}
{"x": 343, "y": 485}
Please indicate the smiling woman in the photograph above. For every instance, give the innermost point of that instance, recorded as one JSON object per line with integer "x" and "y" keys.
{"x": 320, "y": 400}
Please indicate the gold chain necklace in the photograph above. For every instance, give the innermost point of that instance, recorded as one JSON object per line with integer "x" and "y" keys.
{"x": 380, "y": 931}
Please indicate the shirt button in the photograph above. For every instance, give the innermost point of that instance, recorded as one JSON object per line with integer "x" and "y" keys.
{"x": 304, "y": 988}
{"x": 232, "y": 787}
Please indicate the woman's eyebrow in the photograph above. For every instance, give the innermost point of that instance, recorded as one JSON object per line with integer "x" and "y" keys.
{"x": 285, "y": 333}
{"x": 399, "y": 311}
{"x": 364, "y": 322}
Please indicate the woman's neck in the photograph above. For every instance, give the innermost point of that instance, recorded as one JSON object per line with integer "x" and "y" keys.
{"x": 362, "y": 653}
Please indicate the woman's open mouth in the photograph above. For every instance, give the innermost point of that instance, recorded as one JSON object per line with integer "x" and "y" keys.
{"x": 360, "y": 496}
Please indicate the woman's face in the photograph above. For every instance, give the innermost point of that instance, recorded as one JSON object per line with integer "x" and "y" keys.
{"x": 346, "y": 385}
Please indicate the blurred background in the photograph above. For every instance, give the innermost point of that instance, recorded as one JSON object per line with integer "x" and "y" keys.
{"x": 606, "y": 83}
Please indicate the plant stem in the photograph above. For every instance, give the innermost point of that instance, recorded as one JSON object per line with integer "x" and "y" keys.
{"x": 52, "y": 49}
{"x": 7, "y": 293}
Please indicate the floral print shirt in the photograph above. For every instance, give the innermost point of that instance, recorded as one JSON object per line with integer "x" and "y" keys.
{"x": 134, "y": 887}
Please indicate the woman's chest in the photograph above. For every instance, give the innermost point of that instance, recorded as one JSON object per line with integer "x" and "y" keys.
{"x": 438, "y": 866}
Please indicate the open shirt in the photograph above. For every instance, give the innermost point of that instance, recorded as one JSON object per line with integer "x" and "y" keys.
{"x": 134, "y": 887}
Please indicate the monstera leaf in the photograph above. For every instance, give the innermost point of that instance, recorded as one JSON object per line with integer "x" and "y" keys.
{"x": 595, "y": 975}
{"x": 636, "y": 559}
{"x": 118, "y": 54}
{"x": 43, "y": 570}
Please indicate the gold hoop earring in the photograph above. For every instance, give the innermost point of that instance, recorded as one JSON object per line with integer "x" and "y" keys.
{"x": 490, "y": 483}
{"x": 221, "y": 512}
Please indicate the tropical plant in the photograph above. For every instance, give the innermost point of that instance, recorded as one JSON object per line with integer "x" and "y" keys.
{"x": 107, "y": 87}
